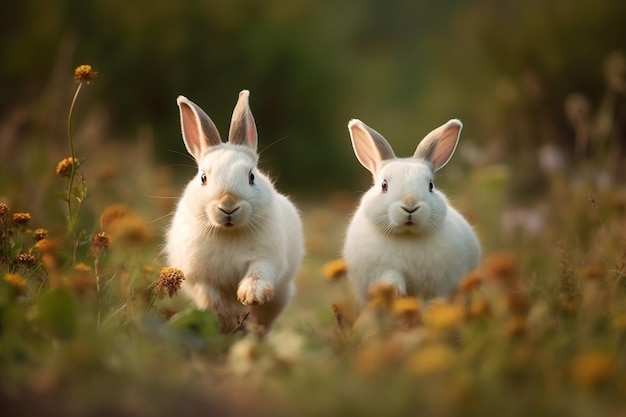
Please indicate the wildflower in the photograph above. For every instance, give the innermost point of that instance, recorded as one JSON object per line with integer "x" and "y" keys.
{"x": 45, "y": 245}
{"x": 16, "y": 281}
{"x": 4, "y": 209}
{"x": 21, "y": 219}
{"x": 432, "y": 359}
{"x": 40, "y": 234}
{"x": 26, "y": 259}
{"x": 131, "y": 230}
{"x": 443, "y": 316}
{"x": 372, "y": 358}
{"x": 83, "y": 279}
{"x": 479, "y": 308}
{"x": 100, "y": 241}
{"x": 407, "y": 309}
{"x": 589, "y": 369}
{"x": 381, "y": 296}
{"x": 64, "y": 167}
{"x": 170, "y": 280}
{"x": 84, "y": 73}
{"x": 470, "y": 282}
{"x": 112, "y": 214}
{"x": 501, "y": 267}
{"x": 334, "y": 270}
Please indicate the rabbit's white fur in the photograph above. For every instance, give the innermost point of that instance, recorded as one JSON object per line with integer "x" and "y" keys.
{"x": 237, "y": 240}
{"x": 404, "y": 232}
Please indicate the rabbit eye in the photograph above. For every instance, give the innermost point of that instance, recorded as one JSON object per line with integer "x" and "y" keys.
{"x": 203, "y": 178}
{"x": 384, "y": 186}
{"x": 251, "y": 178}
{"x": 430, "y": 186}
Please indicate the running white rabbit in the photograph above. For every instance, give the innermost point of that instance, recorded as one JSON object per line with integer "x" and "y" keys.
{"x": 237, "y": 240}
{"x": 404, "y": 232}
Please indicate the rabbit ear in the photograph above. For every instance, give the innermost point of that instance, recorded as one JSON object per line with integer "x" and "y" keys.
{"x": 242, "y": 126}
{"x": 370, "y": 147}
{"x": 439, "y": 145}
{"x": 199, "y": 131}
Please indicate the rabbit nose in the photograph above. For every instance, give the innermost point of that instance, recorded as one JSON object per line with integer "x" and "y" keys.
{"x": 410, "y": 210}
{"x": 225, "y": 211}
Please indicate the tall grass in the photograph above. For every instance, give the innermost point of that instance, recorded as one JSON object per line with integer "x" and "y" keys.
{"x": 92, "y": 324}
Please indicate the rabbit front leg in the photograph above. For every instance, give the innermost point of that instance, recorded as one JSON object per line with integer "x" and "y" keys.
{"x": 393, "y": 278}
{"x": 258, "y": 285}
{"x": 206, "y": 297}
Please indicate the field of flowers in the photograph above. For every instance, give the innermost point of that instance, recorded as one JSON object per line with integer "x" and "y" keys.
{"x": 91, "y": 322}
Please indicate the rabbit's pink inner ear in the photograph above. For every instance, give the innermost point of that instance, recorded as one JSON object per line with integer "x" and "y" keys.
{"x": 370, "y": 147}
{"x": 439, "y": 145}
{"x": 251, "y": 133}
{"x": 192, "y": 135}
{"x": 242, "y": 125}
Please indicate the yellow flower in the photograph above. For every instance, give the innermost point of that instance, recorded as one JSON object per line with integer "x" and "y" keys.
{"x": 589, "y": 369}
{"x": 84, "y": 73}
{"x": 4, "y": 209}
{"x": 443, "y": 316}
{"x": 432, "y": 359}
{"x": 16, "y": 281}
{"x": 407, "y": 310}
{"x": 335, "y": 269}
{"x": 381, "y": 296}
{"x": 170, "y": 280}
{"x": 480, "y": 308}
{"x": 64, "y": 167}
{"x": 21, "y": 218}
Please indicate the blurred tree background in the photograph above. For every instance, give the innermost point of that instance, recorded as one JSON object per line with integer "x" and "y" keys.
{"x": 506, "y": 68}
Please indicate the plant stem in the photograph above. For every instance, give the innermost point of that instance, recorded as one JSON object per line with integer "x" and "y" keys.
{"x": 70, "y": 217}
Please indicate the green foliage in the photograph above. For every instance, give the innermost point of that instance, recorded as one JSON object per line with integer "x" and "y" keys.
{"x": 85, "y": 326}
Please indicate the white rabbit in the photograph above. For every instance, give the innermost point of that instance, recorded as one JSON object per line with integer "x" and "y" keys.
{"x": 404, "y": 232}
{"x": 237, "y": 240}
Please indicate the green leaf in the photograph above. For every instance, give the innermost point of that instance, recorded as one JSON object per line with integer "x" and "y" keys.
{"x": 58, "y": 312}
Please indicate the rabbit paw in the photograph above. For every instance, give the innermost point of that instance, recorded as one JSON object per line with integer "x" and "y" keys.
{"x": 253, "y": 290}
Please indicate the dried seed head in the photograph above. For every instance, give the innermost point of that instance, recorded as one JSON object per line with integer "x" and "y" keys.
{"x": 84, "y": 73}
{"x": 26, "y": 259}
{"x": 100, "y": 241}
{"x": 170, "y": 280}
{"x": 40, "y": 234}
{"x": 21, "y": 218}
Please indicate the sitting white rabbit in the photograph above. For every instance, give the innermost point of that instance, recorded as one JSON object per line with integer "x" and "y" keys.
{"x": 237, "y": 240}
{"x": 404, "y": 232}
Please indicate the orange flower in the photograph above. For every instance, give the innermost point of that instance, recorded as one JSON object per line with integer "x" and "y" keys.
{"x": 589, "y": 369}
{"x": 335, "y": 269}
{"x": 64, "y": 167}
